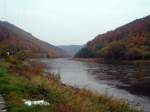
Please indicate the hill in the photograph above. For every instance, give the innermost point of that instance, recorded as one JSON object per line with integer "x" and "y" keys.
{"x": 17, "y": 38}
{"x": 131, "y": 41}
{"x": 71, "y": 49}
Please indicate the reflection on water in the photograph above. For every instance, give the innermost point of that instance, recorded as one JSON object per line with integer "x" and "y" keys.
{"x": 134, "y": 78}
{"x": 131, "y": 82}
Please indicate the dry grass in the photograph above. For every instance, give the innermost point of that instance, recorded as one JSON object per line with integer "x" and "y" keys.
{"x": 62, "y": 98}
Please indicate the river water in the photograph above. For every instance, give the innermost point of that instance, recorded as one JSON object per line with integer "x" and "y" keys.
{"x": 126, "y": 81}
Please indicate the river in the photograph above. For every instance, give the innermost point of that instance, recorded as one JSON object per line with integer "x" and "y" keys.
{"x": 126, "y": 81}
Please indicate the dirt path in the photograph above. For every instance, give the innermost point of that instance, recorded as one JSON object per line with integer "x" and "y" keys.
{"x": 2, "y": 104}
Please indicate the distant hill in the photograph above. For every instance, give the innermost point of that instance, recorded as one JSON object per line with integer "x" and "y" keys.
{"x": 135, "y": 36}
{"x": 17, "y": 37}
{"x": 71, "y": 49}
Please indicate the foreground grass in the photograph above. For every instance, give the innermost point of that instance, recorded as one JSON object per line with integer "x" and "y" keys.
{"x": 61, "y": 98}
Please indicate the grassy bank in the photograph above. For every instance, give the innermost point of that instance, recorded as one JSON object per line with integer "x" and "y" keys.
{"x": 31, "y": 84}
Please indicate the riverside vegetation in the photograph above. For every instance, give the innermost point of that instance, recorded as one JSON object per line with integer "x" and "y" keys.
{"x": 22, "y": 79}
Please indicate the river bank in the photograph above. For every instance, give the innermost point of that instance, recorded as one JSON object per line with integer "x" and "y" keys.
{"x": 126, "y": 81}
{"x": 62, "y": 98}
{"x": 101, "y": 60}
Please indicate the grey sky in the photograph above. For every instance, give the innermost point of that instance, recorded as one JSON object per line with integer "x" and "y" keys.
{"x": 63, "y": 22}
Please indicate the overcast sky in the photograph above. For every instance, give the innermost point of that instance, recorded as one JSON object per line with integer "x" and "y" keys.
{"x": 64, "y": 22}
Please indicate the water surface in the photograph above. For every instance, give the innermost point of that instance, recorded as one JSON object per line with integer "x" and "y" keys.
{"x": 128, "y": 81}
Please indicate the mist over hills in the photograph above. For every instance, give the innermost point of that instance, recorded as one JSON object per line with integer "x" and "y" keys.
{"x": 71, "y": 50}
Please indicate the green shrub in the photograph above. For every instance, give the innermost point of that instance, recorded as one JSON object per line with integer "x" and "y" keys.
{"x": 85, "y": 53}
{"x": 3, "y": 71}
{"x": 146, "y": 55}
{"x": 115, "y": 50}
{"x": 135, "y": 53}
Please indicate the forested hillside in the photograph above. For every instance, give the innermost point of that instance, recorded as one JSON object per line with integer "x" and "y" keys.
{"x": 131, "y": 41}
{"x": 14, "y": 39}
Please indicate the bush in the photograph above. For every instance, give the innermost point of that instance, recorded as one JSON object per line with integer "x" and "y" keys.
{"x": 3, "y": 54}
{"x": 135, "y": 53}
{"x": 23, "y": 55}
{"x": 114, "y": 50}
{"x": 85, "y": 53}
{"x": 146, "y": 55}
